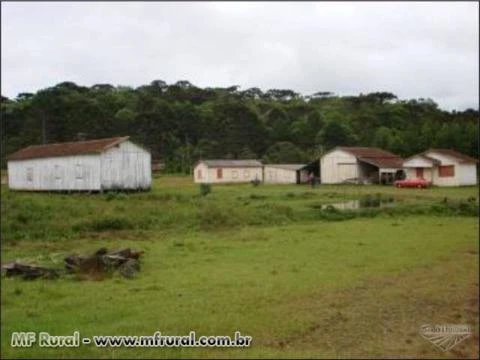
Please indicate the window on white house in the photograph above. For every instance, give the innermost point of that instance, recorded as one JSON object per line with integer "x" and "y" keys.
{"x": 246, "y": 174}
{"x": 234, "y": 174}
{"x": 79, "y": 171}
{"x": 446, "y": 171}
{"x": 29, "y": 174}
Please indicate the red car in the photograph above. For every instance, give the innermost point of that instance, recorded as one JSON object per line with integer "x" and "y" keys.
{"x": 418, "y": 183}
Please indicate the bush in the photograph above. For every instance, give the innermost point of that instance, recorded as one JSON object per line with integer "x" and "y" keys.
{"x": 205, "y": 189}
{"x": 115, "y": 196}
{"x": 211, "y": 216}
{"x": 256, "y": 182}
{"x": 370, "y": 201}
{"x": 257, "y": 197}
{"x": 106, "y": 224}
{"x": 330, "y": 213}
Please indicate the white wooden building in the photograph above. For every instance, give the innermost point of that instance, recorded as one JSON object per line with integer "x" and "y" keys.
{"x": 442, "y": 167}
{"x": 227, "y": 171}
{"x": 359, "y": 165}
{"x": 93, "y": 165}
{"x": 285, "y": 173}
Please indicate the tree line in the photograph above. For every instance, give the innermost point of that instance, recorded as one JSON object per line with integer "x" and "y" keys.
{"x": 181, "y": 123}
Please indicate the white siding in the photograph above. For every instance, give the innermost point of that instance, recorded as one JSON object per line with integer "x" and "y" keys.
{"x": 411, "y": 173}
{"x": 337, "y": 166}
{"x": 229, "y": 174}
{"x": 467, "y": 174}
{"x": 126, "y": 166}
{"x": 445, "y": 160}
{"x": 200, "y": 173}
{"x": 274, "y": 175}
{"x": 58, "y": 173}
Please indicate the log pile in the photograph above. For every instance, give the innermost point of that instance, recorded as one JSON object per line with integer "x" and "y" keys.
{"x": 126, "y": 261}
{"x": 101, "y": 263}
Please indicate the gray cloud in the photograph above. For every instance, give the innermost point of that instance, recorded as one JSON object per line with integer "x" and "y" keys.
{"x": 414, "y": 50}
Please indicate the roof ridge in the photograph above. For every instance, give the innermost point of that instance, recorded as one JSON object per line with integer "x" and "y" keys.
{"x": 79, "y": 141}
{"x": 70, "y": 148}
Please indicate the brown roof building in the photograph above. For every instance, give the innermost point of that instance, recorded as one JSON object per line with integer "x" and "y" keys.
{"x": 93, "y": 165}
{"x": 359, "y": 165}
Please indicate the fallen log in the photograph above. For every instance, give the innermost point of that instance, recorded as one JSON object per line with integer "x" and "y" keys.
{"x": 29, "y": 272}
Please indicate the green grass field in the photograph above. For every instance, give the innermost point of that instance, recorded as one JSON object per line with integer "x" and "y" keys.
{"x": 304, "y": 282}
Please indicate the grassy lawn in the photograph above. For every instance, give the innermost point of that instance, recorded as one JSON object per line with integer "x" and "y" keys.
{"x": 263, "y": 260}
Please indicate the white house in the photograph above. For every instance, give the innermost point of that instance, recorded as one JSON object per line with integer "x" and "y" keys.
{"x": 93, "y": 165}
{"x": 227, "y": 171}
{"x": 442, "y": 167}
{"x": 359, "y": 164}
{"x": 285, "y": 173}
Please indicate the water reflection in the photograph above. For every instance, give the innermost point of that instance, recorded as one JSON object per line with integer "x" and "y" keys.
{"x": 365, "y": 202}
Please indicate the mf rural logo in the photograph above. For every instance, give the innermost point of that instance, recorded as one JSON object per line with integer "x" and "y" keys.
{"x": 445, "y": 336}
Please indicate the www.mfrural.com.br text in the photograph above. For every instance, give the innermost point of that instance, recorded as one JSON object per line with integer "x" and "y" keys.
{"x": 45, "y": 339}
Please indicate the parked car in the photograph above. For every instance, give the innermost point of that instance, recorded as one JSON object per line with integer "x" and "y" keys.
{"x": 418, "y": 183}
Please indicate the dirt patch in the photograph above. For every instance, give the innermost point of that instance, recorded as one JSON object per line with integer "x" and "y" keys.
{"x": 382, "y": 316}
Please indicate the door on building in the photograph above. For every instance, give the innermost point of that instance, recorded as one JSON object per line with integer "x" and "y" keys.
{"x": 219, "y": 173}
{"x": 419, "y": 173}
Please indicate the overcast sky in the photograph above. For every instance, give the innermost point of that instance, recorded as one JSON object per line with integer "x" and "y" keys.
{"x": 414, "y": 50}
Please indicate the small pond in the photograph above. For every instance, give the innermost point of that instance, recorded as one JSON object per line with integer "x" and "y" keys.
{"x": 365, "y": 202}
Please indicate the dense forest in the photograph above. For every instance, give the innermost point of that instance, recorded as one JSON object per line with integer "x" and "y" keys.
{"x": 181, "y": 123}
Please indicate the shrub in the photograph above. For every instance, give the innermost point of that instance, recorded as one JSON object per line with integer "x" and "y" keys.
{"x": 257, "y": 197}
{"x": 370, "y": 201}
{"x": 255, "y": 182}
{"x": 205, "y": 189}
{"x": 106, "y": 224}
{"x": 115, "y": 196}
{"x": 212, "y": 216}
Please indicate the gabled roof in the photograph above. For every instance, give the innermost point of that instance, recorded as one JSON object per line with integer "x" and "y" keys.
{"x": 428, "y": 158}
{"x": 374, "y": 156}
{"x": 231, "y": 163}
{"x": 462, "y": 158}
{"x": 367, "y": 152}
{"x": 286, "y": 166}
{"x": 66, "y": 149}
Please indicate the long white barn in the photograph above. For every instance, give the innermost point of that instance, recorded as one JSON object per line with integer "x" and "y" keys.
{"x": 227, "y": 171}
{"x": 93, "y": 165}
{"x": 285, "y": 174}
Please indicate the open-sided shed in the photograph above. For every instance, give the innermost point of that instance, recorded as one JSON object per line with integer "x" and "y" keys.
{"x": 360, "y": 164}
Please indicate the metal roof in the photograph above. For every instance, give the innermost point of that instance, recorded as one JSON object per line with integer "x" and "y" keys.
{"x": 66, "y": 149}
{"x": 374, "y": 156}
{"x": 287, "y": 166}
{"x": 391, "y": 162}
{"x": 232, "y": 163}
{"x": 367, "y": 152}
{"x": 452, "y": 153}
{"x": 428, "y": 158}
